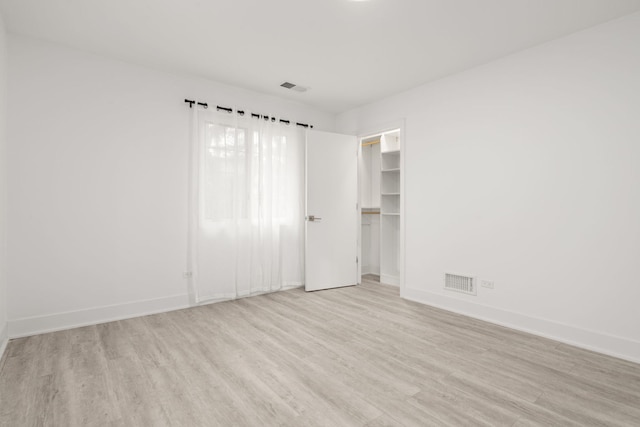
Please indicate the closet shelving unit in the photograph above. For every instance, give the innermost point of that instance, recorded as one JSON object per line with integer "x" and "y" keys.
{"x": 390, "y": 208}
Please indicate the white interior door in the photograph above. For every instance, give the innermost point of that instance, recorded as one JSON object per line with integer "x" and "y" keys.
{"x": 332, "y": 212}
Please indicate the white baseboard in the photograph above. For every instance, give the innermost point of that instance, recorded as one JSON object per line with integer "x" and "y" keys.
{"x": 73, "y": 319}
{"x": 622, "y": 348}
{"x": 4, "y": 339}
{"x": 370, "y": 270}
{"x": 390, "y": 280}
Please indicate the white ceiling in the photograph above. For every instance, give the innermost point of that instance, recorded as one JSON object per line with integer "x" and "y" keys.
{"x": 349, "y": 52}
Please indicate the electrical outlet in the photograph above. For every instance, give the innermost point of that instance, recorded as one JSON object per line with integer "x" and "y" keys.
{"x": 486, "y": 284}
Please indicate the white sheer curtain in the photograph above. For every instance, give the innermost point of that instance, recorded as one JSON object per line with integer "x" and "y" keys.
{"x": 246, "y": 228}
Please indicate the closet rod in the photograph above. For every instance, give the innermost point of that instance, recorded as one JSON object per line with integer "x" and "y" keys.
{"x": 370, "y": 213}
{"x": 241, "y": 113}
{"x": 377, "y": 141}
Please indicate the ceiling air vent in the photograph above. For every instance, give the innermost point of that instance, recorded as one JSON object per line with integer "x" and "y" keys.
{"x": 460, "y": 283}
{"x": 295, "y": 87}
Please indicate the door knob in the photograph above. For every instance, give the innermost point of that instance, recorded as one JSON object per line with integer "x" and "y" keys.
{"x": 313, "y": 218}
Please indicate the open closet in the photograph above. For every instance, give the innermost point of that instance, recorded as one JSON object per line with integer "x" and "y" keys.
{"x": 380, "y": 206}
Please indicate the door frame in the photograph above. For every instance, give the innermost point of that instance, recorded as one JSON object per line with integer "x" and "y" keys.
{"x": 366, "y": 133}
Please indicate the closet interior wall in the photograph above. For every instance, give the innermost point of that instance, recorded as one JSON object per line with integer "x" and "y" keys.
{"x": 370, "y": 203}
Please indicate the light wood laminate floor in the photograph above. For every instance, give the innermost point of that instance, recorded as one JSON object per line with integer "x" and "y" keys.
{"x": 357, "y": 356}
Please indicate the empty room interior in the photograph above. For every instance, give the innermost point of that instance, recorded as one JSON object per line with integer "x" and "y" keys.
{"x": 319, "y": 213}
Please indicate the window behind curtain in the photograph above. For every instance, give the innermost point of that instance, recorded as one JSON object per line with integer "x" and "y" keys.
{"x": 238, "y": 164}
{"x": 225, "y": 178}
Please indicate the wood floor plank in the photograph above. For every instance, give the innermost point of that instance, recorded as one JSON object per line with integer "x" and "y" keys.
{"x": 501, "y": 400}
{"x": 354, "y": 356}
{"x": 135, "y": 396}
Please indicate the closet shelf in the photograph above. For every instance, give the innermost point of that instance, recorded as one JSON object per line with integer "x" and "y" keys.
{"x": 390, "y": 213}
{"x": 391, "y": 170}
{"x": 390, "y": 152}
{"x": 389, "y": 194}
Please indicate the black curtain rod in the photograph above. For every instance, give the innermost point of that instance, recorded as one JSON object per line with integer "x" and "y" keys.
{"x": 191, "y": 102}
{"x": 241, "y": 113}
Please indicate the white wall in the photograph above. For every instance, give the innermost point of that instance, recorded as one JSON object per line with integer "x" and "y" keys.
{"x": 3, "y": 188}
{"x": 526, "y": 171}
{"x": 98, "y": 183}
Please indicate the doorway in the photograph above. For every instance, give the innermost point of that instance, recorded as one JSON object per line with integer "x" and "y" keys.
{"x": 380, "y": 184}
{"x": 347, "y": 246}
